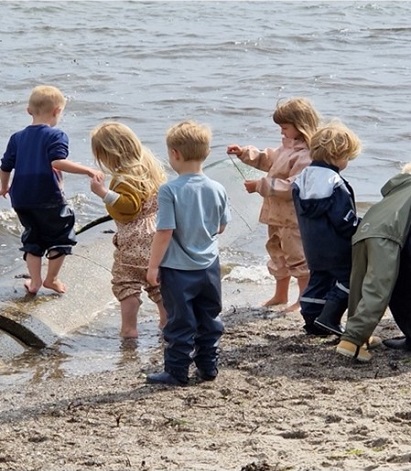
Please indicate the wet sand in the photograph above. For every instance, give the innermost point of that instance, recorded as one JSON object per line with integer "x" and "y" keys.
{"x": 282, "y": 401}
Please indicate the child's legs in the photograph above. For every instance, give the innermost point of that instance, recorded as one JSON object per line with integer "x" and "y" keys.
{"x": 293, "y": 251}
{"x": 207, "y": 308}
{"x": 154, "y": 293}
{"x": 276, "y": 264}
{"x": 49, "y": 230}
{"x": 179, "y": 289}
{"x": 34, "y": 268}
{"x": 377, "y": 286}
{"x": 336, "y": 301}
{"x": 31, "y": 237}
{"x": 337, "y": 296}
{"x": 127, "y": 283}
{"x": 55, "y": 262}
{"x": 32, "y": 247}
{"x": 129, "y": 310}
{"x": 341, "y": 288}
{"x": 358, "y": 272}
{"x": 313, "y": 298}
{"x": 59, "y": 238}
{"x": 287, "y": 259}
{"x": 281, "y": 292}
{"x": 162, "y": 314}
{"x": 302, "y": 285}
{"x": 57, "y": 229}
{"x": 277, "y": 267}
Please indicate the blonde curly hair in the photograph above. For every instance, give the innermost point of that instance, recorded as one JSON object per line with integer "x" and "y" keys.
{"x": 334, "y": 142}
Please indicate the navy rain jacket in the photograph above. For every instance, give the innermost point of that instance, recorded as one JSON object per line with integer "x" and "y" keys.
{"x": 326, "y": 214}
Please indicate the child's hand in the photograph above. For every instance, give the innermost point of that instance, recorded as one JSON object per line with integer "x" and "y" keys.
{"x": 234, "y": 149}
{"x": 4, "y": 191}
{"x": 153, "y": 276}
{"x": 251, "y": 185}
{"x": 96, "y": 173}
{"x": 97, "y": 185}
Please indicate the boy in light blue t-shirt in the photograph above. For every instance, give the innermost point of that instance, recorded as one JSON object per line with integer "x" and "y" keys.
{"x": 193, "y": 210}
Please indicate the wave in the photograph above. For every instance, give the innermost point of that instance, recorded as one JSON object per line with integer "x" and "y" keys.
{"x": 9, "y": 223}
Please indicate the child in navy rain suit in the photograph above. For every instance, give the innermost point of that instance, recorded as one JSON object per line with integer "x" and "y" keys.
{"x": 327, "y": 218}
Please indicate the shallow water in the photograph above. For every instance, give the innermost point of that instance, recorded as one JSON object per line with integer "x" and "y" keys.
{"x": 150, "y": 64}
{"x": 92, "y": 349}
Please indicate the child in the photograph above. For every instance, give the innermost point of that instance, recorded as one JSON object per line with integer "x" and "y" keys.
{"x": 38, "y": 154}
{"x": 193, "y": 210}
{"x": 327, "y": 218}
{"x": 376, "y": 249}
{"x": 131, "y": 200}
{"x": 298, "y": 121}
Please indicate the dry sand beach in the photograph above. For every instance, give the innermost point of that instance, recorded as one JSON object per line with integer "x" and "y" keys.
{"x": 282, "y": 401}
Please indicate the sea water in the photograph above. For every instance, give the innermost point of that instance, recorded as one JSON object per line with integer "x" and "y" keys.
{"x": 225, "y": 63}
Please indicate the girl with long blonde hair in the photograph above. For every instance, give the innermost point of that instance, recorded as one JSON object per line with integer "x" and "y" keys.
{"x": 131, "y": 200}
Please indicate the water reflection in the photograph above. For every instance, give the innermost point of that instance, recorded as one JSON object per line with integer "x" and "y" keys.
{"x": 92, "y": 349}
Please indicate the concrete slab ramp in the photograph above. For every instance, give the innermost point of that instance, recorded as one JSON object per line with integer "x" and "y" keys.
{"x": 40, "y": 320}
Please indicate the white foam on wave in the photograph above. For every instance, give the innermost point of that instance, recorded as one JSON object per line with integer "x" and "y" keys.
{"x": 255, "y": 274}
{"x": 7, "y": 215}
{"x": 9, "y": 222}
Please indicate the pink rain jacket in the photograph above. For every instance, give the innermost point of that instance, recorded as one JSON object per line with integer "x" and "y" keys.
{"x": 282, "y": 166}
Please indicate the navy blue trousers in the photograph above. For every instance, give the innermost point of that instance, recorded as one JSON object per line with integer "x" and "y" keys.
{"x": 332, "y": 285}
{"x": 192, "y": 299}
{"x": 47, "y": 229}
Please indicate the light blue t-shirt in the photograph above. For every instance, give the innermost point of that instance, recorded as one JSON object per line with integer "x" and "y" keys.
{"x": 195, "y": 207}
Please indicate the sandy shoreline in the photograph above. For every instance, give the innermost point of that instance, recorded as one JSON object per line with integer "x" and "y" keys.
{"x": 282, "y": 401}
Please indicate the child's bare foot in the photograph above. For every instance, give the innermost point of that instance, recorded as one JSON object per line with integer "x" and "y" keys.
{"x": 275, "y": 301}
{"x": 129, "y": 334}
{"x": 293, "y": 307}
{"x": 128, "y": 344}
{"x": 31, "y": 288}
{"x": 56, "y": 285}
